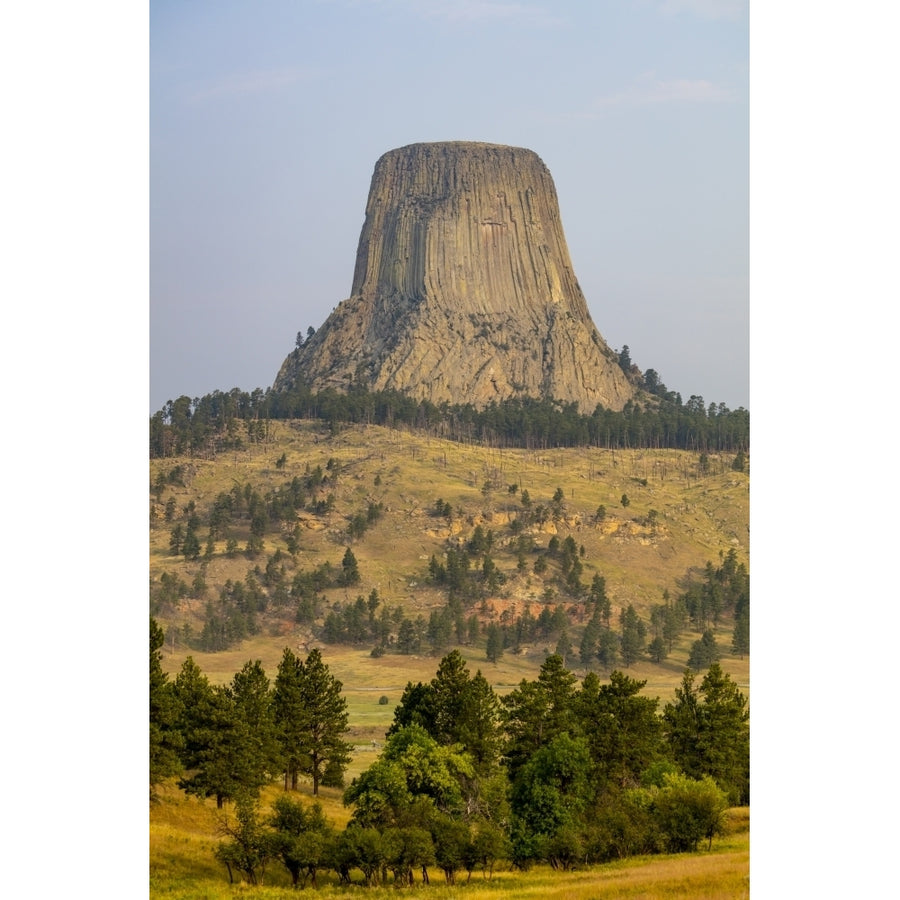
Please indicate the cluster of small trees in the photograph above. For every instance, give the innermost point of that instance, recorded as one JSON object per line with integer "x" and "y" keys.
{"x": 555, "y": 771}
{"x": 245, "y": 510}
{"x": 227, "y": 741}
{"x": 559, "y": 772}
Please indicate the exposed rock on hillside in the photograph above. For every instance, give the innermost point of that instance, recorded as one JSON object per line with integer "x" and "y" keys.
{"x": 463, "y": 289}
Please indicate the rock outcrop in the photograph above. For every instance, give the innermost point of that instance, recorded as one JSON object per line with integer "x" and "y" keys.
{"x": 463, "y": 289}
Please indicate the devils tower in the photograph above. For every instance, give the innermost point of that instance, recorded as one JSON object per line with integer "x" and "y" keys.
{"x": 463, "y": 289}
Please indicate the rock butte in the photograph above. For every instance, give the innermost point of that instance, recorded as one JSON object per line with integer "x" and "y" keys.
{"x": 463, "y": 289}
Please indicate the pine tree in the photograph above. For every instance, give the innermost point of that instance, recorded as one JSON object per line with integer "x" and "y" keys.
{"x": 740, "y": 640}
{"x": 250, "y": 691}
{"x": 704, "y": 652}
{"x": 724, "y": 738}
{"x": 587, "y": 651}
{"x": 322, "y": 722}
{"x": 536, "y": 711}
{"x": 708, "y": 731}
{"x": 229, "y": 735}
{"x": 349, "y": 569}
{"x": 449, "y": 698}
{"x": 634, "y": 634}
{"x": 607, "y": 648}
{"x": 494, "y": 648}
{"x": 165, "y": 740}
{"x": 622, "y": 728}
{"x": 213, "y": 753}
{"x": 288, "y": 707}
{"x": 564, "y": 648}
{"x": 480, "y": 732}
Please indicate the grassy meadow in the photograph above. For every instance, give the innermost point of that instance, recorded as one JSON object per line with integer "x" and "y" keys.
{"x": 699, "y": 517}
{"x": 183, "y": 833}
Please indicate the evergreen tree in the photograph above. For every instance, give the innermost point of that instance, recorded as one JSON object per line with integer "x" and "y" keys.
{"x": 480, "y": 732}
{"x": 191, "y": 546}
{"x": 165, "y": 739}
{"x": 218, "y": 752}
{"x": 252, "y": 698}
{"x": 708, "y": 731}
{"x": 634, "y": 634}
{"x": 656, "y": 649}
{"x": 415, "y": 708}
{"x": 494, "y": 647}
{"x": 536, "y": 711}
{"x": 407, "y": 641}
{"x": 288, "y": 703}
{"x": 704, "y": 652}
{"x": 455, "y": 709}
{"x": 740, "y": 640}
{"x": 681, "y": 718}
{"x": 349, "y": 569}
{"x": 176, "y": 539}
{"x": 602, "y": 607}
{"x": 587, "y": 651}
{"x": 607, "y": 648}
{"x": 724, "y": 738}
{"x": 564, "y": 649}
{"x": 322, "y": 721}
{"x": 623, "y": 730}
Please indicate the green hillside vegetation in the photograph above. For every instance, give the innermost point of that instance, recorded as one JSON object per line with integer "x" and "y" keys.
{"x": 379, "y": 551}
{"x": 247, "y": 552}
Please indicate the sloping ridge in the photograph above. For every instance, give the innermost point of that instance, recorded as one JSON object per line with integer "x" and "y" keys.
{"x": 463, "y": 289}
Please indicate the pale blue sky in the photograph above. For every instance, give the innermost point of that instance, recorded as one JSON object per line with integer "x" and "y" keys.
{"x": 266, "y": 120}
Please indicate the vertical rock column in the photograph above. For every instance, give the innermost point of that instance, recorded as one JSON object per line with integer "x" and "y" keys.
{"x": 463, "y": 288}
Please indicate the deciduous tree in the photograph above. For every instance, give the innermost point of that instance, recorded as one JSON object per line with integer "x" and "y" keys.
{"x": 301, "y": 838}
{"x": 248, "y": 846}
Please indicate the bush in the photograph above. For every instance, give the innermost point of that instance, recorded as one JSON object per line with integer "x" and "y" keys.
{"x": 383, "y": 700}
{"x": 687, "y": 811}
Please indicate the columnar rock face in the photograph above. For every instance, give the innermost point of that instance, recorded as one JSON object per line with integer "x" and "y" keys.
{"x": 463, "y": 289}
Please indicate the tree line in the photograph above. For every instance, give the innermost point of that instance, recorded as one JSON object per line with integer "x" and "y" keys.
{"x": 555, "y": 771}
{"x": 227, "y": 741}
{"x": 222, "y": 421}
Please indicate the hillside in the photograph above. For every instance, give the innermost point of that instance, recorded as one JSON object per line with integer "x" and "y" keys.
{"x": 384, "y": 485}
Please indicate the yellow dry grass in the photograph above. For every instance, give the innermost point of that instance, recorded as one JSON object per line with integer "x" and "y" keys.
{"x": 699, "y": 518}
{"x": 183, "y": 835}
